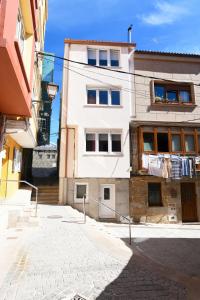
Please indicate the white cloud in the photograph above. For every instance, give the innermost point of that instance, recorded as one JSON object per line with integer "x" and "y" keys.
{"x": 166, "y": 13}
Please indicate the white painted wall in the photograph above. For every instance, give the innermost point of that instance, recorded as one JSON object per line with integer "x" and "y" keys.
{"x": 86, "y": 117}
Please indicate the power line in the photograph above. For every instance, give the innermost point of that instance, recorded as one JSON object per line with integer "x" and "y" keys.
{"x": 125, "y": 89}
{"x": 106, "y": 69}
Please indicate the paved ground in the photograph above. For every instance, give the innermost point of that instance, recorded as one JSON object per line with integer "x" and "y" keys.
{"x": 63, "y": 257}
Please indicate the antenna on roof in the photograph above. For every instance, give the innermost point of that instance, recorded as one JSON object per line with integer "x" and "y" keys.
{"x": 130, "y": 33}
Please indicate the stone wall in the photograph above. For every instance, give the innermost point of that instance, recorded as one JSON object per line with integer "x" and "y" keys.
{"x": 67, "y": 190}
{"x": 171, "y": 194}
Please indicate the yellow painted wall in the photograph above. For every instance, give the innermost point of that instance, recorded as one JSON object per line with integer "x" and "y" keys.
{"x": 8, "y": 189}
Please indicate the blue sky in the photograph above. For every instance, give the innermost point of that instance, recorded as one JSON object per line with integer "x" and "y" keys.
{"x": 170, "y": 25}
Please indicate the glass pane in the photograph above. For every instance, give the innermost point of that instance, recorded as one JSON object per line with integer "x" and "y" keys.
{"x": 159, "y": 93}
{"x": 171, "y": 96}
{"x": 106, "y": 193}
{"x": 176, "y": 142}
{"x": 189, "y": 143}
{"x": 90, "y": 142}
{"x": 115, "y": 97}
{"x": 91, "y": 97}
{"x": 114, "y": 58}
{"x": 154, "y": 194}
{"x": 162, "y": 139}
{"x": 116, "y": 142}
{"x": 80, "y": 191}
{"x": 103, "y": 97}
{"x": 103, "y": 142}
{"x": 103, "y": 58}
{"x": 92, "y": 57}
{"x": 148, "y": 141}
{"x": 184, "y": 96}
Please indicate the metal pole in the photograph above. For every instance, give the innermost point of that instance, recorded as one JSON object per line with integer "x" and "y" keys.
{"x": 36, "y": 202}
{"x": 129, "y": 231}
{"x": 84, "y": 209}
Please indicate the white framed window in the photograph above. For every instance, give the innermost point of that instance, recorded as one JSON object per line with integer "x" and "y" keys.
{"x": 103, "y": 96}
{"x": 103, "y": 57}
{"x": 80, "y": 190}
{"x": 20, "y": 31}
{"x": 103, "y": 142}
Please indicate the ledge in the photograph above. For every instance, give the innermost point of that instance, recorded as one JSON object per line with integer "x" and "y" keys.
{"x": 192, "y": 105}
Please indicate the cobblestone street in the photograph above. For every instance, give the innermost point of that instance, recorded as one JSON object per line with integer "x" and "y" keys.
{"x": 63, "y": 257}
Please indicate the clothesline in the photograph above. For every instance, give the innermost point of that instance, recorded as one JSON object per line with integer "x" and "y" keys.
{"x": 170, "y": 165}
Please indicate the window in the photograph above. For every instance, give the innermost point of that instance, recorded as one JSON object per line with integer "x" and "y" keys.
{"x": 53, "y": 156}
{"x": 103, "y": 61}
{"x": 189, "y": 143}
{"x": 154, "y": 194}
{"x": 92, "y": 57}
{"x": 172, "y": 93}
{"x": 90, "y": 142}
{"x": 17, "y": 161}
{"x": 106, "y": 193}
{"x": 162, "y": 140}
{"x": 114, "y": 58}
{"x": 176, "y": 142}
{"x": 91, "y": 97}
{"x": 20, "y": 31}
{"x": 148, "y": 141}
{"x": 116, "y": 142}
{"x": 81, "y": 190}
{"x": 170, "y": 140}
{"x": 40, "y": 156}
{"x": 103, "y": 142}
{"x": 115, "y": 97}
{"x": 103, "y": 97}
{"x": 103, "y": 57}
{"x": 48, "y": 156}
{"x": 171, "y": 96}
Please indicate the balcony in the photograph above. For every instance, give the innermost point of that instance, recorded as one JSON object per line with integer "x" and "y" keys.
{"x": 15, "y": 76}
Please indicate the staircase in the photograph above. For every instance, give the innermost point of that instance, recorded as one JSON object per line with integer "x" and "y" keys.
{"x": 47, "y": 194}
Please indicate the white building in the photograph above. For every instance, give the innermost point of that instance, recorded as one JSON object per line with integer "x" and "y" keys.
{"x": 95, "y": 114}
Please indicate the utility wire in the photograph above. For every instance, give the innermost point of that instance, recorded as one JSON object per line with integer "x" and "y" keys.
{"x": 106, "y": 69}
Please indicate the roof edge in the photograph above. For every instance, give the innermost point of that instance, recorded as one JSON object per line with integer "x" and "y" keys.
{"x": 150, "y": 52}
{"x": 95, "y": 42}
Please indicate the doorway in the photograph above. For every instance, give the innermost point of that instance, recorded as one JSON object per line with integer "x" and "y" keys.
{"x": 107, "y": 197}
{"x": 188, "y": 201}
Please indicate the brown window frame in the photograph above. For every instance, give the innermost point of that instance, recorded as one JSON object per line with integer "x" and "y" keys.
{"x": 175, "y": 87}
{"x": 170, "y": 132}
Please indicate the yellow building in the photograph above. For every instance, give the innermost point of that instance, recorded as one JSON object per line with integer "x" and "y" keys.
{"x": 22, "y": 34}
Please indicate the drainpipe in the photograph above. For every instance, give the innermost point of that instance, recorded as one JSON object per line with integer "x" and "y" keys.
{"x": 132, "y": 84}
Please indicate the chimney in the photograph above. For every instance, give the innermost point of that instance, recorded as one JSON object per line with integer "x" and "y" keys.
{"x": 130, "y": 33}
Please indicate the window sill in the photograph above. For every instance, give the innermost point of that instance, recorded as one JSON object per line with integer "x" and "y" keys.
{"x": 180, "y": 105}
{"x": 104, "y": 67}
{"x": 103, "y": 106}
{"x": 104, "y": 154}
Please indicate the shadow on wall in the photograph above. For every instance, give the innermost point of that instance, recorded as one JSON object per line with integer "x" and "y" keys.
{"x": 44, "y": 172}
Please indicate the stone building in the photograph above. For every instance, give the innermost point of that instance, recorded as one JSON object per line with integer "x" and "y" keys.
{"x": 45, "y": 161}
{"x": 165, "y": 121}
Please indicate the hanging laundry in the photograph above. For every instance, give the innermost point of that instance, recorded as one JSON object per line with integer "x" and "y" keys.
{"x": 185, "y": 166}
{"x": 176, "y": 171}
{"x": 145, "y": 161}
{"x": 155, "y": 165}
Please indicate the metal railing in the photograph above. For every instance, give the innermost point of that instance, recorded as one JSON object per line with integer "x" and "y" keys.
{"x": 29, "y": 184}
{"x": 117, "y": 213}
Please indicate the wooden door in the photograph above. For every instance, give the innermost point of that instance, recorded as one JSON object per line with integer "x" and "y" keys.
{"x": 188, "y": 201}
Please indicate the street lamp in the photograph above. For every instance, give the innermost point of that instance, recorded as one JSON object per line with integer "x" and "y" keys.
{"x": 52, "y": 90}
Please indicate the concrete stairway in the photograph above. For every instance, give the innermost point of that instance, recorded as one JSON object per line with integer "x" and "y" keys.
{"x": 47, "y": 194}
